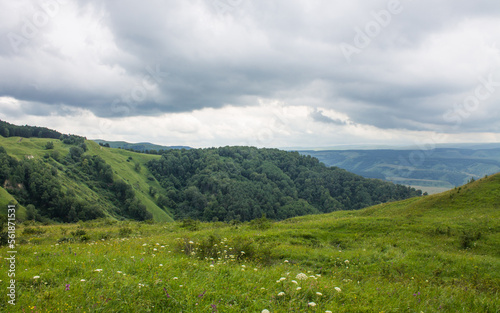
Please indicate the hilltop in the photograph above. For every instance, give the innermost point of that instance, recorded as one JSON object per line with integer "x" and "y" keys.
{"x": 438, "y": 253}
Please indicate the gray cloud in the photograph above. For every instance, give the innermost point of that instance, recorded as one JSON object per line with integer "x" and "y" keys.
{"x": 427, "y": 59}
{"x": 318, "y": 116}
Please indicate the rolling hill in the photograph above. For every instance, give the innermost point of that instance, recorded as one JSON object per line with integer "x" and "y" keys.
{"x": 79, "y": 179}
{"x": 126, "y": 166}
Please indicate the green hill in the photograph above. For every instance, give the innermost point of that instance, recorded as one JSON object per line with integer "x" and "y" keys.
{"x": 438, "y": 253}
{"x": 126, "y": 166}
{"x": 66, "y": 178}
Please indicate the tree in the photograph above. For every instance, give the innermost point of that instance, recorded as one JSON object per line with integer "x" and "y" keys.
{"x": 49, "y": 145}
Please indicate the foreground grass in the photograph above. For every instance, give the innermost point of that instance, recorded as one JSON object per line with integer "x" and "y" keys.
{"x": 435, "y": 254}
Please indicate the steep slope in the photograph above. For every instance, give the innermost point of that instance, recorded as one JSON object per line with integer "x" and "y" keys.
{"x": 127, "y": 166}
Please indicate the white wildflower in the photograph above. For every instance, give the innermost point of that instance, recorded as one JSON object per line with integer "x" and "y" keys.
{"x": 311, "y": 304}
{"x": 301, "y": 276}
{"x": 338, "y": 289}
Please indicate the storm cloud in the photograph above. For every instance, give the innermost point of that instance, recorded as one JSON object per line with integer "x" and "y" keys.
{"x": 300, "y": 68}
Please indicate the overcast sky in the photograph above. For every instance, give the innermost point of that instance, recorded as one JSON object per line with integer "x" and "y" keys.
{"x": 294, "y": 73}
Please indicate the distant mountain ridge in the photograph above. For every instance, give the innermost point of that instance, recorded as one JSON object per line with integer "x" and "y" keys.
{"x": 440, "y": 168}
{"x": 141, "y": 146}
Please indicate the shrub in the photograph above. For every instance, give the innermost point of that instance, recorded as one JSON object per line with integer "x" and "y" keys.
{"x": 468, "y": 238}
{"x": 33, "y": 231}
{"x": 78, "y": 233}
{"x": 124, "y": 231}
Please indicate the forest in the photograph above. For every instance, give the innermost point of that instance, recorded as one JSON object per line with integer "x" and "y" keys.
{"x": 245, "y": 183}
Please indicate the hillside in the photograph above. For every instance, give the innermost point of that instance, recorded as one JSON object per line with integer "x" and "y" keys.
{"x": 432, "y": 170}
{"x": 66, "y": 178}
{"x": 75, "y": 183}
{"x": 79, "y": 180}
{"x": 245, "y": 183}
{"x": 438, "y": 253}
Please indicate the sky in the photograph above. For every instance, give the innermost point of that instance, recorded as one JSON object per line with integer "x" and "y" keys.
{"x": 294, "y": 73}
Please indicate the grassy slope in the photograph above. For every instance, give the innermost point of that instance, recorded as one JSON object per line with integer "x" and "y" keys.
{"x": 117, "y": 159}
{"x": 6, "y": 199}
{"x": 439, "y": 253}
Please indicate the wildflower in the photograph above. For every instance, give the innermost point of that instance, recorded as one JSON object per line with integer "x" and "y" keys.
{"x": 161, "y": 264}
{"x": 242, "y": 252}
{"x": 346, "y": 261}
{"x": 175, "y": 278}
{"x": 165, "y": 289}
{"x": 211, "y": 265}
{"x": 119, "y": 272}
{"x": 281, "y": 294}
{"x": 67, "y": 287}
{"x": 82, "y": 279}
{"x": 295, "y": 282}
{"x": 298, "y": 288}
{"x": 301, "y": 276}
{"x": 286, "y": 261}
{"x": 338, "y": 289}
{"x": 36, "y": 277}
{"x": 265, "y": 311}
{"x": 311, "y": 304}
{"x": 98, "y": 270}
{"x": 328, "y": 311}
{"x": 319, "y": 293}
{"x": 191, "y": 242}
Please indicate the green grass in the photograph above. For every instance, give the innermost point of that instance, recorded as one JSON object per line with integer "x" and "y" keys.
{"x": 117, "y": 159}
{"x": 439, "y": 253}
{"x": 6, "y": 199}
{"x": 122, "y": 161}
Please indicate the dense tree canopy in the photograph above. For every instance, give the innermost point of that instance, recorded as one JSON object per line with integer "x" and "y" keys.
{"x": 244, "y": 183}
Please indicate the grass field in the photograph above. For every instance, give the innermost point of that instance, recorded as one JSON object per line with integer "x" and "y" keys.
{"x": 439, "y": 253}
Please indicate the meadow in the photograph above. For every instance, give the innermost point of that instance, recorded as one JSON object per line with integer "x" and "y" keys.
{"x": 438, "y": 253}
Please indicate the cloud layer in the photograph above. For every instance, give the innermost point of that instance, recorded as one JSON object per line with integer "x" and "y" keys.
{"x": 280, "y": 73}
